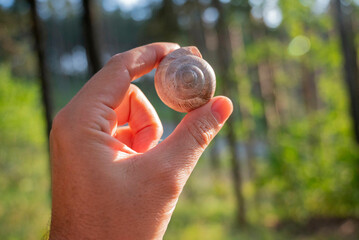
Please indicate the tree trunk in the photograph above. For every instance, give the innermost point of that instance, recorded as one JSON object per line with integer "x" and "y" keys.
{"x": 267, "y": 85}
{"x": 256, "y": 91}
{"x": 309, "y": 88}
{"x": 224, "y": 52}
{"x": 197, "y": 28}
{"x": 254, "y": 33}
{"x": 214, "y": 158}
{"x": 263, "y": 78}
{"x": 250, "y": 146}
{"x": 351, "y": 72}
{"x": 93, "y": 54}
{"x": 44, "y": 76}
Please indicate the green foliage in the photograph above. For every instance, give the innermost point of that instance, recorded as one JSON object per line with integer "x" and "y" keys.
{"x": 24, "y": 180}
{"x": 313, "y": 165}
{"x": 206, "y": 209}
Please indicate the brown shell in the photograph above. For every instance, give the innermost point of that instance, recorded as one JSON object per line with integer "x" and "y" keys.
{"x": 184, "y": 81}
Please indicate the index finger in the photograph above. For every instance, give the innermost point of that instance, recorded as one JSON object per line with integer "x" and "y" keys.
{"x": 111, "y": 83}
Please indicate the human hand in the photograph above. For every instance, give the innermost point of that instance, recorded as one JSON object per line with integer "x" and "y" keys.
{"x": 111, "y": 181}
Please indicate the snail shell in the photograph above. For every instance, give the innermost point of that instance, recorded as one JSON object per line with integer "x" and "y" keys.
{"x": 184, "y": 81}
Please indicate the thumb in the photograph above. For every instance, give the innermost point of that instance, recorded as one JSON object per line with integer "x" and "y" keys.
{"x": 180, "y": 152}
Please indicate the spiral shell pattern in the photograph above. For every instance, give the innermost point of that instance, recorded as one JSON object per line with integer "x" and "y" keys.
{"x": 184, "y": 81}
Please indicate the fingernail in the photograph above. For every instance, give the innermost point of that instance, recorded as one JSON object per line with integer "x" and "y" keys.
{"x": 222, "y": 109}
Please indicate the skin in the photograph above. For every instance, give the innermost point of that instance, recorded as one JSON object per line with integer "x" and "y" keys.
{"x": 111, "y": 181}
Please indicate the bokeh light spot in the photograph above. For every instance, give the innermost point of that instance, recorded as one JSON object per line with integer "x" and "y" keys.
{"x": 210, "y": 15}
{"x": 6, "y": 3}
{"x": 272, "y": 16}
{"x": 299, "y": 46}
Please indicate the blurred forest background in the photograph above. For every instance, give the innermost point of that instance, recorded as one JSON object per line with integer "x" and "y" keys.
{"x": 285, "y": 166}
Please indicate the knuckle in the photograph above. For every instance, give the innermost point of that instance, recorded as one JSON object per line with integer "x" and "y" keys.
{"x": 62, "y": 125}
{"x": 104, "y": 118}
{"x": 142, "y": 59}
{"x": 202, "y": 131}
{"x": 115, "y": 58}
{"x": 58, "y": 122}
{"x": 169, "y": 183}
{"x": 173, "y": 188}
{"x": 165, "y": 180}
{"x": 120, "y": 62}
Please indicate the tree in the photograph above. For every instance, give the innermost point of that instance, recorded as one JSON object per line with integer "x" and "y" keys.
{"x": 350, "y": 65}
{"x": 163, "y": 26}
{"x": 41, "y": 57}
{"x": 93, "y": 54}
{"x": 224, "y": 53}
{"x": 197, "y": 31}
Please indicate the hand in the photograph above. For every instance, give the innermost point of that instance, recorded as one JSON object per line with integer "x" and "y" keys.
{"x": 111, "y": 181}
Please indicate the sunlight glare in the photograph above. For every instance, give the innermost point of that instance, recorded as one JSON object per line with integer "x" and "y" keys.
{"x": 124, "y": 5}
{"x": 6, "y": 3}
{"x": 210, "y": 15}
{"x": 272, "y": 16}
{"x": 320, "y": 6}
{"x": 299, "y": 46}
